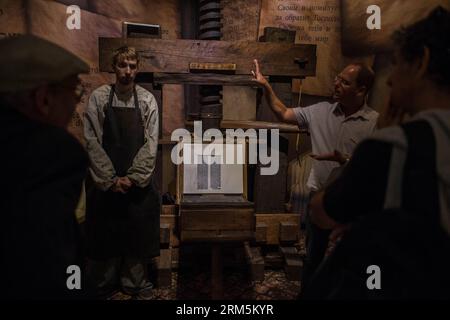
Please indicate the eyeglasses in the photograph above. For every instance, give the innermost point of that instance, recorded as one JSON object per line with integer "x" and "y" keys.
{"x": 79, "y": 90}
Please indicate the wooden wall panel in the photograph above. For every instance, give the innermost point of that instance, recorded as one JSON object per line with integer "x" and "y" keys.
{"x": 83, "y": 4}
{"x": 104, "y": 19}
{"x": 12, "y": 17}
{"x": 173, "y": 108}
{"x": 240, "y": 19}
{"x": 166, "y": 13}
{"x": 47, "y": 19}
{"x": 301, "y": 17}
{"x": 273, "y": 222}
{"x": 356, "y": 37}
{"x": 316, "y": 22}
{"x": 239, "y": 103}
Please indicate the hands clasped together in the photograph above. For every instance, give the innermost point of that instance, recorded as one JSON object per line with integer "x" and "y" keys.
{"x": 122, "y": 185}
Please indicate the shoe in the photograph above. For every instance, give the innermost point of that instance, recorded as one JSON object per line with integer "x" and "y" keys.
{"x": 103, "y": 293}
{"x": 145, "y": 293}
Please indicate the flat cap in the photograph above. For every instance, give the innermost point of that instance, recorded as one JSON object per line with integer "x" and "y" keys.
{"x": 28, "y": 61}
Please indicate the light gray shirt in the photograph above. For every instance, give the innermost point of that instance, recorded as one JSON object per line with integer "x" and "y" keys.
{"x": 330, "y": 130}
{"x": 101, "y": 167}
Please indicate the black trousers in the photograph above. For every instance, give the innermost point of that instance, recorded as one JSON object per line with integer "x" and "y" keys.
{"x": 316, "y": 246}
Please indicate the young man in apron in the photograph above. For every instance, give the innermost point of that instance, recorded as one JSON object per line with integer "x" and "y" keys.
{"x": 123, "y": 207}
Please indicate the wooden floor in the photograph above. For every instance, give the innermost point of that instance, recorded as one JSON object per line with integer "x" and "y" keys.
{"x": 237, "y": 286}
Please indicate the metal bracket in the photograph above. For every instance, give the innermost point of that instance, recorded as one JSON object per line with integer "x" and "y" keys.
{"x": 301, "y": 62}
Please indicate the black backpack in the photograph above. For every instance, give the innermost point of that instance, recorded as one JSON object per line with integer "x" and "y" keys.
{"x": 408, "y": 245}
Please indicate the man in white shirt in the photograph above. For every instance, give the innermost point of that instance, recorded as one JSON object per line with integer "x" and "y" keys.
{"x": 338, "y": 126}
{"x": 335, "y": 128}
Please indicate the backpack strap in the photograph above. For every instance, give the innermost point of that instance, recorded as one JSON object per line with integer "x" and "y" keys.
{"x": 420, "y": 189}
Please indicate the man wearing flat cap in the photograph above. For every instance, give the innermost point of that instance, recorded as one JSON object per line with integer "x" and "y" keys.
{"x": 43, "y": 168}
{"x": 123, "y": 207}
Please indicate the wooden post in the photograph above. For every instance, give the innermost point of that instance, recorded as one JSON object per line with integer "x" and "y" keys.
{"x": 164, "y": 265}
{"x": 216, "y": 272}
{"x": 261, "y": 233}
{"x": 255, "y": 262}
{"x": 288, "y": 233}
{"x": 293, "y": 263}
{"x": 276, "y": 202}
{"x": 164, "y": 235}
{"x": 293, "y": 269}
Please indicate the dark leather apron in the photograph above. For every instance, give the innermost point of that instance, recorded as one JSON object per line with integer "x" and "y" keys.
{"x": 123, "y": 224}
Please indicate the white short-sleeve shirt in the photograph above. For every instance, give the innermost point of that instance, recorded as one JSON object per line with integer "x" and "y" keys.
{"x": 330, "y": 130}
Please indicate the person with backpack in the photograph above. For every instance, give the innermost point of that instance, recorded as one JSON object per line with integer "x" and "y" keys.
{"x": 391, "y": 205}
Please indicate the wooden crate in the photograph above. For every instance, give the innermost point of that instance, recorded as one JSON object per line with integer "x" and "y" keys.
{"x": 217, "y": 223}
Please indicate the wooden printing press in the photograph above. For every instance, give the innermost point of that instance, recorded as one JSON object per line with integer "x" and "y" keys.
{"x": 212, "y": 198}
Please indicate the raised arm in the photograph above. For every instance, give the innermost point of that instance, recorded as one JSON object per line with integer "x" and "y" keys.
{"x": 283, "y": 113}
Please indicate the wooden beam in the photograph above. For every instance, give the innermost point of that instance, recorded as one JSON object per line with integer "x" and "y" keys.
{"x": 160, "y": 78}
{"x": 290, "y": 253}
{"x": 261, "y": 233}
{"x": 289, "y": 232}
{"x": 164, "y": 141}
{"x": 172, "y": 221}
{"x": 203, "y": 79}
{"x": 175, "y": 258}
{"x": 293, "y": 263}
{"x": 216, "y": 236}
{"x": 255, "y": 262}
{"x": 174, "y": 56}
{"x": 215, "y": 67}
{"x": 212, "y": 219}
{"x": 169, "y": 209}
{"x": 293, "y": 269}
{"x": 164, "y": 265}
{"x": 274, "y": 260}
{"x": 164, "y": 235}
{"x": 273, "y": 221}
{"x": 216, "y": 272}
{"x": 248, "y": 124}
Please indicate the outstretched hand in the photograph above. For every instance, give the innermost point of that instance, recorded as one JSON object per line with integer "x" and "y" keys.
{"x": 335, "y": 237}
{"x": 335, "y": 156}
{"x": 258, "y": 77}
